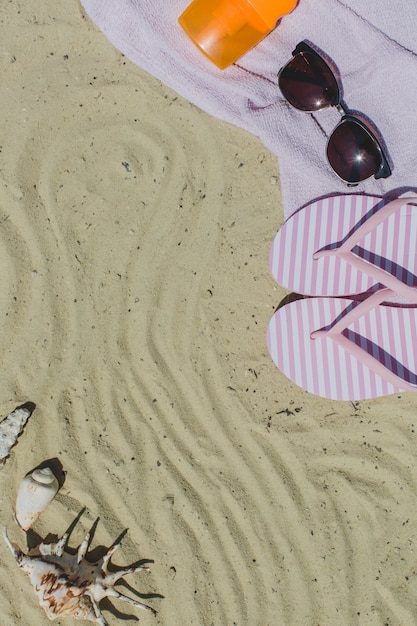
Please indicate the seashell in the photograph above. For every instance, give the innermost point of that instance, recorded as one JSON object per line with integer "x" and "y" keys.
{"x": 36, "y": 491}
{"x": 10, "y": 429}
{"x": 67, "y": 585}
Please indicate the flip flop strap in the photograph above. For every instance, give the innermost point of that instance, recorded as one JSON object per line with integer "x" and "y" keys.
{"x": 378, "y": 274}
{"x": 374, "y": 364}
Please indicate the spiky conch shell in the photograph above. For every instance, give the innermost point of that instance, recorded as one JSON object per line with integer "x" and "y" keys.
{"x": 10, "y": 429}
{"x": 67, "y": 585}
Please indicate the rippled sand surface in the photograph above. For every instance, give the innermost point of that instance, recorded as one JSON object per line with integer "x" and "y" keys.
{"x": 135, "y": 296}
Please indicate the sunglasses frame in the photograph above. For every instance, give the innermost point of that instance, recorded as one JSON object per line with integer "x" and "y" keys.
{"x": 384, "y": 169}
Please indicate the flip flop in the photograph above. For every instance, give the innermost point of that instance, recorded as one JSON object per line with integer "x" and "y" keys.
{"x": 347, "y": 245}
{"x": 346, "y": 349}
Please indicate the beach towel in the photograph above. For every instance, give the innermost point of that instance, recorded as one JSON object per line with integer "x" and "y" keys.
{"x": 373, "y": 45}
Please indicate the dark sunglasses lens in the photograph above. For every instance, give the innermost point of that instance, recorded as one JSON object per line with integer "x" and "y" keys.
{"x": 308, "y": 83}
{"x": 353, "y": 153}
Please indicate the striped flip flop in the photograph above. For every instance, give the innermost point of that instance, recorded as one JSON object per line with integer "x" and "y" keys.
{"x": 346, "y": 349}
{"x": 347, "y": 245}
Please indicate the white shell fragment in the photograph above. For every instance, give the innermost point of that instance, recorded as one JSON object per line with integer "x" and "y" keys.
{"x": 10, "y": 429}
{"x": 67, "y": 585}
{"x": 36, "y": 491}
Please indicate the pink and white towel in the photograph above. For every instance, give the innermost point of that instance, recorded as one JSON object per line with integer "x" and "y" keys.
{"x": 372, "y": 43}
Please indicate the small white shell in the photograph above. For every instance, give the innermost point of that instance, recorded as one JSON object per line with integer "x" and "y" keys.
{"x": 10, "y": 429}
{"x": 36, "y": 491}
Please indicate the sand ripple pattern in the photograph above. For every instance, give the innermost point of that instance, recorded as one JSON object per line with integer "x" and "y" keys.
{"x": 134, "y": 240}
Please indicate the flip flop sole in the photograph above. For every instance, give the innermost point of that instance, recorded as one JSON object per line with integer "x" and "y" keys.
{"x": 392, "y": 246}
{"x": 322, "y": 367}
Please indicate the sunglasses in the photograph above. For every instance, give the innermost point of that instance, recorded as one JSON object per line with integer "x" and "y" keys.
{"x": 353, "y": 151}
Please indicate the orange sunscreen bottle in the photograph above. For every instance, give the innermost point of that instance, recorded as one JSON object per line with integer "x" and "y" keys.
{"x": 225, "y": 29}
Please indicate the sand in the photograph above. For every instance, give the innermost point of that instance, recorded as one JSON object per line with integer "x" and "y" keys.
{"x": 134, "y": 241}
